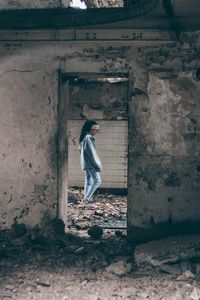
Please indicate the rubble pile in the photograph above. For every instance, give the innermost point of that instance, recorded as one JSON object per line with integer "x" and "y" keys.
{"x": 47, "y": 263}
{"x": 108, "y": 211}
{"x": 177, "y": 255}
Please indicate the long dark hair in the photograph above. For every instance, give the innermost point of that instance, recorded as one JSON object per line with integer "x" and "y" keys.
{"x": 86, "y": 128}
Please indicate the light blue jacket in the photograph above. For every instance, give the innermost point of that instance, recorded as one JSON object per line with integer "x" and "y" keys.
{"x": 89, "y": 156}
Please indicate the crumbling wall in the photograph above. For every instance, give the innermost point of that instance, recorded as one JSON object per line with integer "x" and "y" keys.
{"x": 29, "y": 123}
{"x": 28, "y": 131}
{"x": 99, "y": 100}
{"x": 163, "y": 128}
{"x": 164, "y": 156}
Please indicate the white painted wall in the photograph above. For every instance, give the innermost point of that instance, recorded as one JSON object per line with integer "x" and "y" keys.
{"x": 112, "y": 146}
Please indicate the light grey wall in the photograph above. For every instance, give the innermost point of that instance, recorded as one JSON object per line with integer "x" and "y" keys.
{"x": 164, "y": 173}
{"x": 164, "y": 166}
{"x": 28, "y": 101}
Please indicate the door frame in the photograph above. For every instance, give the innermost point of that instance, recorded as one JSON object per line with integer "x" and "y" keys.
{"x": 62, "y": 145}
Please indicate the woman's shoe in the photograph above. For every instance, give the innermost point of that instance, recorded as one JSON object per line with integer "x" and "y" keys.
{"x": 88, "y": 200}
{"x": 91, "y": 200}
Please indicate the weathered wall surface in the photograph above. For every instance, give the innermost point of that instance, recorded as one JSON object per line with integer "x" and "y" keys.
{"x": 98, "y": 100}
{"x": 164, "y": 158}
{"x": 164, "y": 166}
{"x": 28, "y": 101}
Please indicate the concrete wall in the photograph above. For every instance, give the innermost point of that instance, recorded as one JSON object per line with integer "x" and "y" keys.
{"x": 164, "y": 156}
{"x": 28, "y": 172}
{"x": 164, "y": 165}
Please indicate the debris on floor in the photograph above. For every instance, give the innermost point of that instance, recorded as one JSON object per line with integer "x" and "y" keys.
{"x": 95, "y": 231}
{"x": 94, "y": 262}
{"x": 106, "y": 210}
{"x": 35, "y": 265}
{"x": 175, "y": 252}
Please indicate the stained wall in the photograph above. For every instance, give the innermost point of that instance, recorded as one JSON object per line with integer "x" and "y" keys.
{"x": 163, "y": 110}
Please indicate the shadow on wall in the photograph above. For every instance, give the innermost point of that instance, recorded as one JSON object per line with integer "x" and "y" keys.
{"x": 139, "y": 235}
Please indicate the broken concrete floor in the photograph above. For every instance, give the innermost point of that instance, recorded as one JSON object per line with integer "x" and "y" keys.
{"x": 107, "y": 211}
{"x": 49, "y": 264}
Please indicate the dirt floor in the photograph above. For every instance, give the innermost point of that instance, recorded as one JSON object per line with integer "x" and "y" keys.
{"x": 50, "y": 264}
{"x": 106, "y": 210}
{"x": 82, "y": 269}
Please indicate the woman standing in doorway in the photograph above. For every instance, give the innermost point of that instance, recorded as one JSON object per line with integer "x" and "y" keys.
{"x": 90, "y": 161}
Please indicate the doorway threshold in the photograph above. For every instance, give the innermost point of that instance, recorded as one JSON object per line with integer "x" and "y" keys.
{"x": 113, "y": 225}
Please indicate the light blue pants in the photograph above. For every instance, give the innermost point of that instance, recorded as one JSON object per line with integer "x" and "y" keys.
{"x": 92, "y": 182}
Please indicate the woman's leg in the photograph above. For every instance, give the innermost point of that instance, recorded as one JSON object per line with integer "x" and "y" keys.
{"x": 95, "y": 183}
{"x": 88, "y": 183}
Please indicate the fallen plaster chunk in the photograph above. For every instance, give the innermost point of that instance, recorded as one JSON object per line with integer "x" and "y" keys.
{"x": 167, "y": 251}
{"x": 119, "y": 267}
{"x": 186, "y": 275}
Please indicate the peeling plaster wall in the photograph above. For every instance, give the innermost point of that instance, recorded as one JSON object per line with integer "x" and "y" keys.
{"x": 28, "y": 123}
{"x": 164, "y": 157}
{"x": 28, "y": 105}
{"x": 104, "y": 101}
{"x": 164, "y": 165}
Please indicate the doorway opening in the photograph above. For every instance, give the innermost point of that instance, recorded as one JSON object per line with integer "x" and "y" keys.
{"x": 103, "y": 97}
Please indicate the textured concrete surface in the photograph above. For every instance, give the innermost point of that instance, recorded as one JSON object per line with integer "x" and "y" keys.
{"x": 164, "y": 166}
{"x": 165, "y": 148}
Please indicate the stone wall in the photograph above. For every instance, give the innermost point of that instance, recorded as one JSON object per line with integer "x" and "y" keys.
{"x": 164, "y": 165}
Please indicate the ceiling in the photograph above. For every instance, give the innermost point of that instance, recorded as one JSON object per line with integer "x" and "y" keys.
{"x": 147, "y": 14}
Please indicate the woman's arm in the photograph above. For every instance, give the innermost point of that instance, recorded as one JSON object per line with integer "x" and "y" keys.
{"x": 91, "y": 155}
